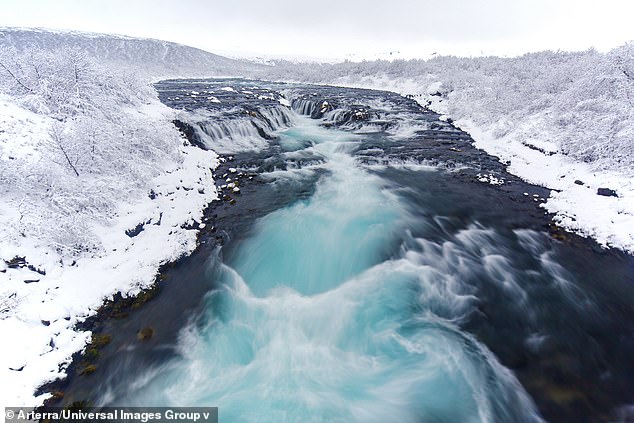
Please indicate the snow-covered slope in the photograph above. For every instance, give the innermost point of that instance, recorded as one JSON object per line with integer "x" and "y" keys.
{"x": 97, "y": 190}
{"x": 149, "y": 57}
{"x": 46, "y": 287}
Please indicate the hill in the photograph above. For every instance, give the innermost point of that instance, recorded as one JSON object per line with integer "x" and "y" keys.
{"x": 148, "y": 57}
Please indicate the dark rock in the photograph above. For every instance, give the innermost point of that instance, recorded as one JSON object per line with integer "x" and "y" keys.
{"x": 135, "y": 231}
{"x": 16, "y": 262}
{"x": 45, "y": 322}
{"x": 191, "y": 225}
{"x": 541, "y": 150}
{"x": 31, "y": 280}
{"x": 36, "y": 270}
{"x": 578, "y": 182}
{"x": 607, "y": 192}
{"x": 190, "y": 133}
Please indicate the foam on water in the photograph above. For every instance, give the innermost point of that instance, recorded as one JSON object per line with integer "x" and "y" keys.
{"x": 331, "y": 311}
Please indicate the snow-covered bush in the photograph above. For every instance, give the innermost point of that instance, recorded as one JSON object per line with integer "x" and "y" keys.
{"x": 94, "y": 149}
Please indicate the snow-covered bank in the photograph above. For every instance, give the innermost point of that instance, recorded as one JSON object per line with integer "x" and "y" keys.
{"x": 561, "y": 120}
{"x": 97, "y": 190}
{"x": 575, "y": 184}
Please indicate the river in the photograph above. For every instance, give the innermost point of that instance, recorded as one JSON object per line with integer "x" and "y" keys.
{"x": 360, "y": 267}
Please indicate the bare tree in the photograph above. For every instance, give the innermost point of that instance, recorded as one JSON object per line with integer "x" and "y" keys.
{"x": 57, "y": 137}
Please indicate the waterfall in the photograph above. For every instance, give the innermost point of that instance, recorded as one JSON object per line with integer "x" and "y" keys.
{"x": 250, "y": 129}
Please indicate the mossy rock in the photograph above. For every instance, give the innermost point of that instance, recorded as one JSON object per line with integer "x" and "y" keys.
{"x": 100, "y": 340}
{"x": 57, "y": 395}
{"x": 145, "y": 333}
{"x": 143, "y": 297}
{"x": 89, "y": 369}
{"x": 91, "y": 354}
{"x": 558, "y": 233}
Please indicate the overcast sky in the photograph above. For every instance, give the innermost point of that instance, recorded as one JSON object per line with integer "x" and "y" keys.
{"x": 337, "y": 28}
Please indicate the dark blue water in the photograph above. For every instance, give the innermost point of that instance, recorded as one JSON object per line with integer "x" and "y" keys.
{"x": 364, "y": 275}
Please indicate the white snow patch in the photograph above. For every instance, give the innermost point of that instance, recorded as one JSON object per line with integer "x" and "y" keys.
{"x": 489, "y": 178}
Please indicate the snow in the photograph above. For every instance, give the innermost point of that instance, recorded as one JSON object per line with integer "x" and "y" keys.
{"x": 489, "y": 179}
{"x": 71, "y": 228}
{"x": 609, "y": 220}
{"x": 68, "y": 294}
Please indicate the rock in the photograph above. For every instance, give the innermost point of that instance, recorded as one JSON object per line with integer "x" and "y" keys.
{"x": 57, "y": 395}
{"x": 135, "y": 231}
{"x": 89, "y": 369}
{"x": 16, "y": 262}
{"x": 145, "y": 333}
{"x": 578, "y": 182}
{"x": 100, "y": 340}
{"x": 607, "y": 192}
{"x": 91, "y": 354}
{"x": 190, "y": 134}
{"x": 36, "y": 269}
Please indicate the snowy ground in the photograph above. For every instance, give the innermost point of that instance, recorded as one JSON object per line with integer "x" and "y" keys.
{"x": 574, "y": 184}
{"x": 38, "y": 311}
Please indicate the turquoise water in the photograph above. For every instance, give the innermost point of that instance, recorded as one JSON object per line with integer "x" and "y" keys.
{"x": 328, "y": 313}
